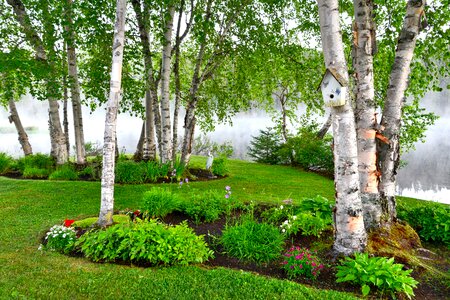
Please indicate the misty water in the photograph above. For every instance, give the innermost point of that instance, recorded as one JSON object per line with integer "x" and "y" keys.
{"x": 425, "y": 176}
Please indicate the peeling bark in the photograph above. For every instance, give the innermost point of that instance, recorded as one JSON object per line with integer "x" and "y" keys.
{"x": 363, "y": 51}
{"x": 389, "y": 154}
{"x": 23, "y": 137}
{"x": 65, "y": 116}
{"x": 350, "y": 234}
{"x": 109, "y": 144}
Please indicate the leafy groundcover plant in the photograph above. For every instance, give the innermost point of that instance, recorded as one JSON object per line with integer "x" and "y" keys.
{"x": 301, "y": 262}
{"x": 159, "y": 202}
{"x": 147, "y": 242}
{"x": 379, "y": 272}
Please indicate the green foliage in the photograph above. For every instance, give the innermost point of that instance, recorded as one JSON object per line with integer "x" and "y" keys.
{"x": 65, "y": 172}
{"x": 301, "y": 262}
{"x": 431, "y": 221}
{"x": 38, "y": 161}
{"x": 276, "y": 215}
{"x": 128, "y": 171}
{"x": 317, "y": 205}
{"x": 307, "y": 223}
{"x": 35, "y": 173}
{"x": 153, "y": 171}
{"x": 92, "y": 148}
{"x": 60, "y": 238}
{"x": 148, "y": 242}
{"x": 252, "y": 241}
{"x": 202, "y": 144}
{"x": 219, "y": 166}
{"x": 88, "y": 173}
{"x": 5, "y": 162}
{"x": 158, "y": 202}
{"x": 379, "y": 272}
{"x": 88, "y": 222}
{"x": 264, "y": 147}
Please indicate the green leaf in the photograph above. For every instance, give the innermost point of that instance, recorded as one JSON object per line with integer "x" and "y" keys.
{"x": 365, "y": 289}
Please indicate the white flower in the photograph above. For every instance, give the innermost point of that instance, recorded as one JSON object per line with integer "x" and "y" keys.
{"x": 286, "y": 222}
{"x": 64, "y": 235}
{"x": 40, "y": 247}
{"x": 281, "y": 206}
{"x": 283, "y": 230}
{"x": 294, "y": 217}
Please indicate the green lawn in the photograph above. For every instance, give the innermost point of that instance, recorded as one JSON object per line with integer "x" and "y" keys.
{"x": 29, "y": 207}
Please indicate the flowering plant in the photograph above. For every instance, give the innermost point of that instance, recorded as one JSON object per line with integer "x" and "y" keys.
{"x": 68, "y": 223}
{"x": 60, "y": 238}
{"x": 305, "y": 222}
{"x": 300, "y": 261}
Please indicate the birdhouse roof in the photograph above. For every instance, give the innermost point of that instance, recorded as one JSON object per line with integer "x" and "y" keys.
{"x": 336, "y": 76}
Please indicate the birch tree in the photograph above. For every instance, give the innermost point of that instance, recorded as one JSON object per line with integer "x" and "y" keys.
{"x": 350, "y": 234}
{"x": 109, "y": 144}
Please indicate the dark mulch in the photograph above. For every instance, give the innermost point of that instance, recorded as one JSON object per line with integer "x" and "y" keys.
{"x": 427, "y": 288}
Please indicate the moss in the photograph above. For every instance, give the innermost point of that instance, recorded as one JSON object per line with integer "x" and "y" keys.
{"x": 88, "y": 222}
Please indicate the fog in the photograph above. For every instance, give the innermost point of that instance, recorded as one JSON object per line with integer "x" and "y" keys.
{"x": 426, "y": 175}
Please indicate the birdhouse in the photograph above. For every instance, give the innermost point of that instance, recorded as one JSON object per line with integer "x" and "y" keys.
{"x": 334, "y": 88}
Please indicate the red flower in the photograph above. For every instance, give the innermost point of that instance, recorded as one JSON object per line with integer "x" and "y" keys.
{"x": 137, "y": 212}
{"x": 68, "y": 223}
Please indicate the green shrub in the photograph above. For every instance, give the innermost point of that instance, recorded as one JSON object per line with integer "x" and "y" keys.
{"x": 5, "y": 162}
{"x": 276, "y": 215}
{"x": 219, "y": 166}
{"x": 128, "y": 171}
{"x": 35, "y": 173}
{"x": 148, "y": 242}
{"x": 60, "y": 238}
{"x": 207, "y": 206}
{"x": 307, "y": 223}
{"x": 378, "y": 272}
{"x": 252, "y": 241}
{"x": 37, "y": 161}
{"x": 317, "y": 206}
{"x": 264, "y": 148}
{"x": 88, "y": 173}
{"x": 431, "y": 221}
{"x": 159, "y": 202}
{"x": 65, "y": 172}
{"x": 301, "y": 262}
{"x": 88, "y": 222}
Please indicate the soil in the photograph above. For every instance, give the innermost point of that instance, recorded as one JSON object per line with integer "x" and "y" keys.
{"x": 428, "y": 287}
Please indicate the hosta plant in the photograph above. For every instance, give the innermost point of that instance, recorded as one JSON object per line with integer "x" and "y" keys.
{"x": 379, "y": 272}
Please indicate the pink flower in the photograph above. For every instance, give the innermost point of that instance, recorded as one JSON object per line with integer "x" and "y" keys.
{"x": 313, "y": 264}
{"x": 298, "y": 257}
{"x": 284, "y": 262}
{"x": 321, "y": 266}
{"x": 300, "y": 266}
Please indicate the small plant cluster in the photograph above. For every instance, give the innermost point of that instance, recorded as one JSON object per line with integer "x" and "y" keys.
{"x": 146, "y": 242}
{"x": 32, "y": 166}
{"x": 60, "y": 238}
{"x": 301, "y": 262}
{"x": 379, "y": 272}
{"x": 252, "y": 241}
{"x": 158, "y": 202}
{"x": 276, "y": 215}
{"x": 311, "y": 217}
{"x": 431, "y": 221}
{"x": 304, "y": 149}
{"x": 6, "y": 162}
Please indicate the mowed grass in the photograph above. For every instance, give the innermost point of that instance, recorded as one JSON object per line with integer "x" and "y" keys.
{"x": 29, "y": 207}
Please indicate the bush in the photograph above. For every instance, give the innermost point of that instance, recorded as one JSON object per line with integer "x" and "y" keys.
{"x": 65, "y": 172}
{"x": 5, "y": 162}
{"x": 60, "y": 238}
{"x": 148, "y": 242}
{"x": 208, "y": 206}
{"x": 36, "y": 161}
{"x": 301, "y": 262}
{"x": 264, "y": 147}
{"x": 88, "y": 222}
{"x": 219, "y": 166}
{"x": 159, "y": 202}
{"x": 35, "y": 173}
{"x": 252, "y": 241}
{"x": 305, "y": 222}
{"x": 276, "y": 215}
{"x": 379, "y": 272}
{"x": 128, "y": 171}
{"x": 88, "y": 173}
{"x": 431, "y": 221}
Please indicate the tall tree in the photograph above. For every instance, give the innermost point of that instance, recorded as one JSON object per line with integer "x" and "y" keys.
{"x": 23, "y": 137}
{"x": 109, "y": 144}
{"x": 350, "y": 234}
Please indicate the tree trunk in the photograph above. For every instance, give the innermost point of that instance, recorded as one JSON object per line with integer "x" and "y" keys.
{"x": 363, "y": 50}
{"x": 109, "y": 144}
{"x": 350, "y": 235}
{"x": 23, "y": 137}
{"x": 57, "y": 138}
{"x": 389, "y": 154}
{"x": 74, "y": 85}
{"x": 65, "y": 116}
{"x": 142, "y": 17}
{"x": 325, "y": 127}
{"x": 139, "y": 154}
{"x": 166, "y": 130}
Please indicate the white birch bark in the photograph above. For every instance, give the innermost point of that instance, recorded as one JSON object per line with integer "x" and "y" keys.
{"x": 57, "y": 137}
{"x": 389, "y": 154}
{"x": 65, "y": 115}
{"x": 166, "y": 130}
{"x": 74, "y": 85}
{"x": 325, "y": 127}
{"x": 109, "y": 144}
{"x": 350, "y": 235}
{"x": 365, "y": 114}
{"x": 23, "y": 137}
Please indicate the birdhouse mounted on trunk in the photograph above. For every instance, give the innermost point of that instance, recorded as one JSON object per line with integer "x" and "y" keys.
{"x": 334, "y": 88}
